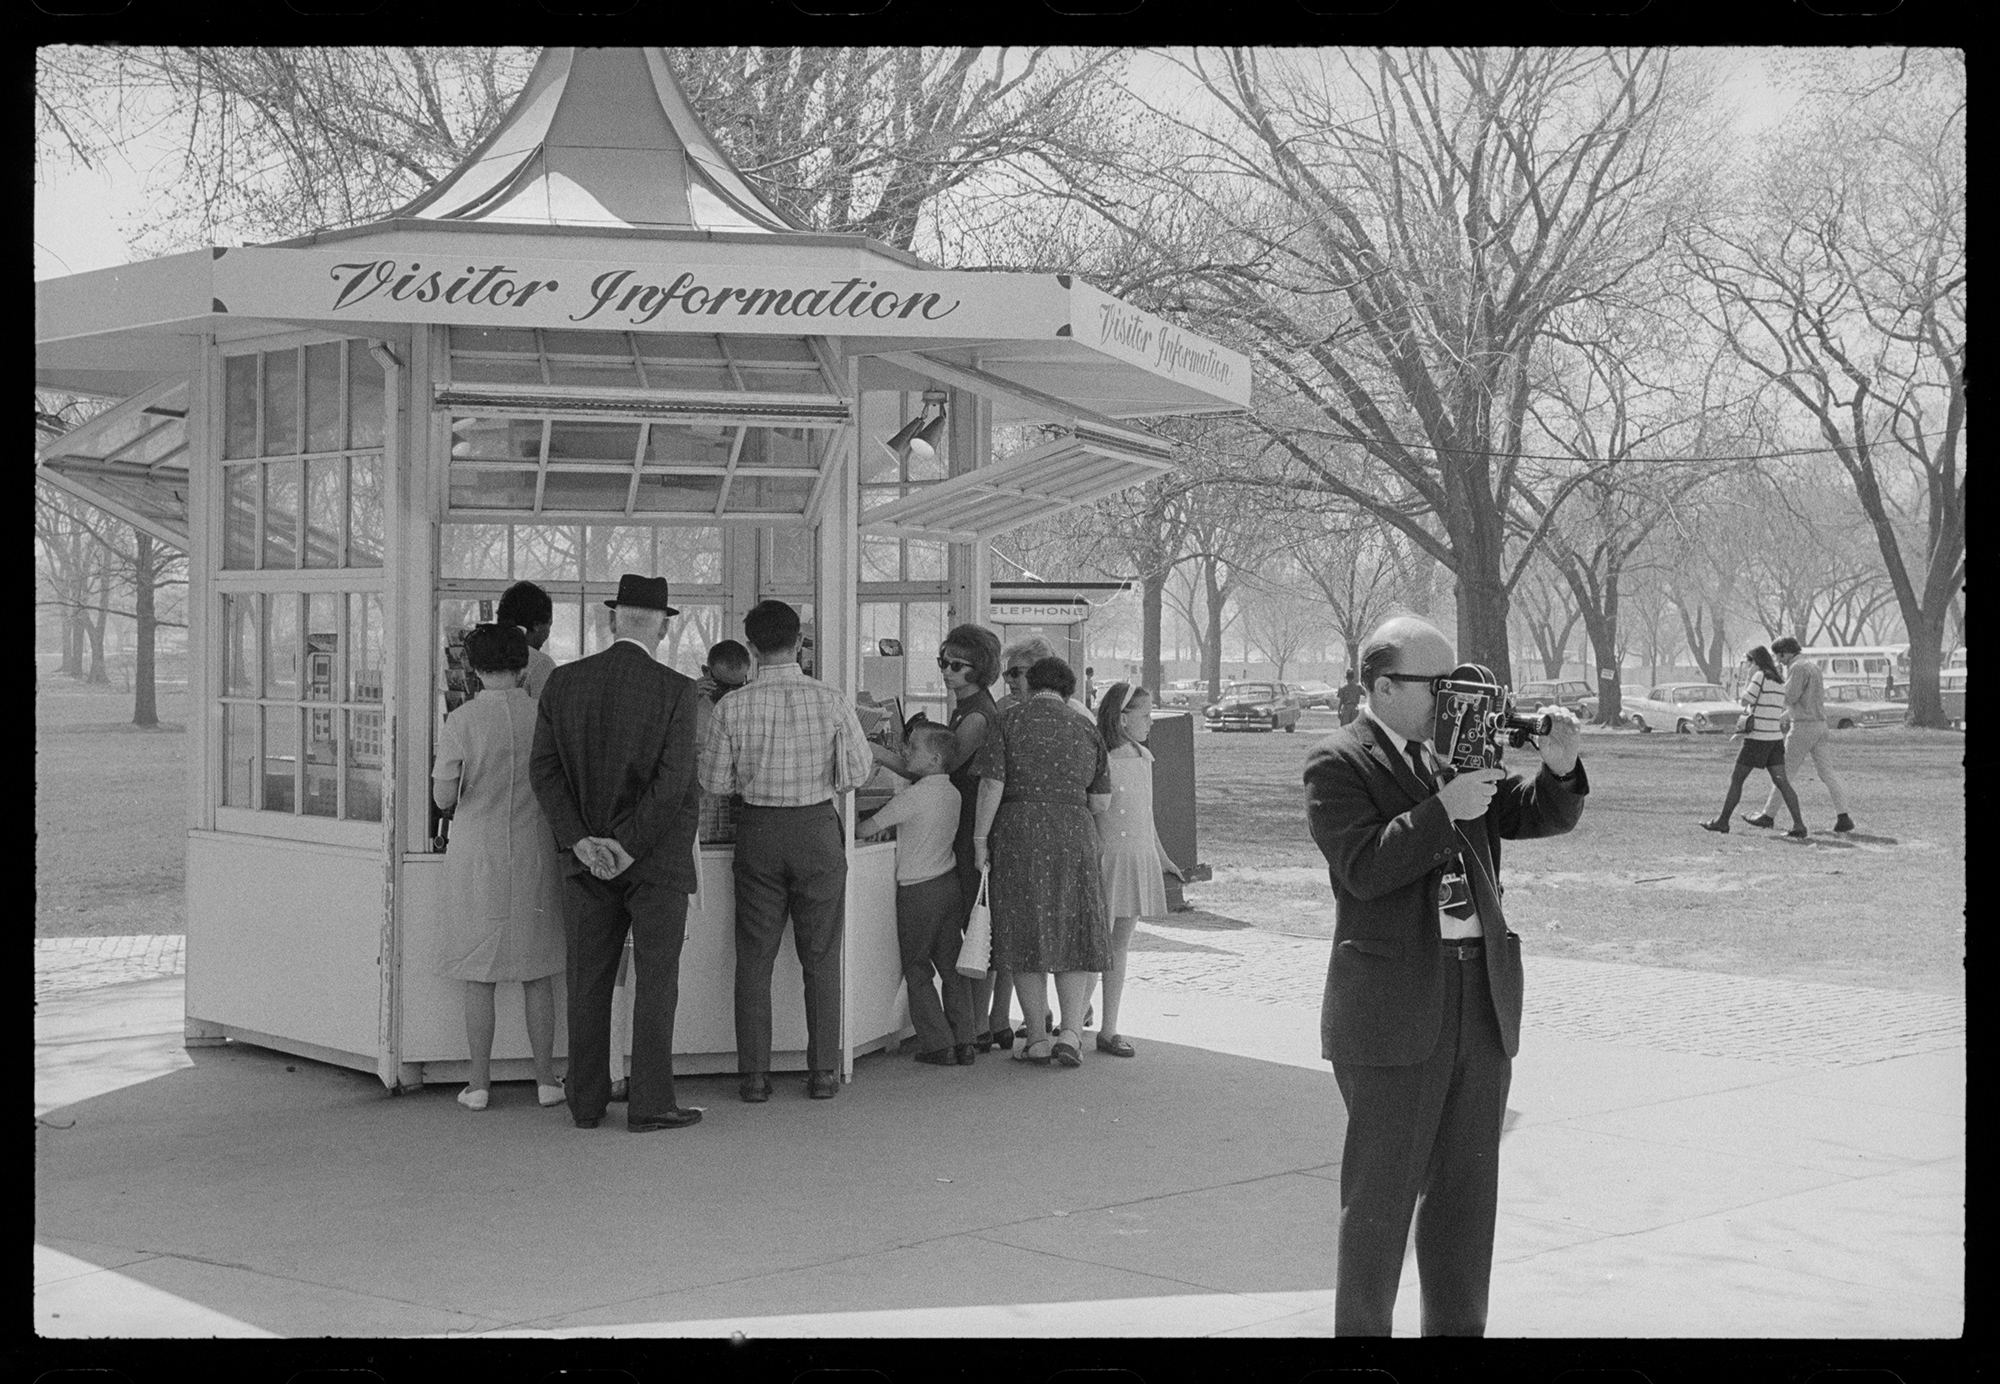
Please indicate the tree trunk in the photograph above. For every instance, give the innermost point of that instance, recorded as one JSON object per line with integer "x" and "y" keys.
{"x": 1151, "y": 612}
{"x": 1482, "y": 621}
{"x": 1926, "y": 659}
{"x": 1211, "y": 661}
{"x": 145, "y": 694}
{"x": 94, "y": 628}
{"x": 1602, "y": 631}
{"x": 72, "y": 639}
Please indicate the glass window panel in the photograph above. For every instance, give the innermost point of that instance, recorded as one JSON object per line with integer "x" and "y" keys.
{"x": 690, "y": 635}
{"x": 323, "y": 676}
{"x": 612, "y": 551}
{"x": 239, "y": 655}
{"x": 597, "y": 634}
{"x": 239, "y": 408}
{"x": 515, "y": 339}
{"x": 548, "y": 552}
{"x": 365, "y": 647}
{"x": 777, "y": 447}
{"x": 594, "y": 374}
{"x": 239, "y": 517}
{"x": 924, "y": 561}
{"x": 364, "y": 498}
{"x": 875, "y": 496}
{"x": 281, "y": 514}
{"x": 583, "y": 440}
{"x": 365, "y": 412}
{"x": 323, "y": 397}
{"x": 769, "y": 495}
{"x": 790, "y": 554}
{"x": 881, "y": 416}
{"x": 497, "y": 439}
{"x": 772, "y": 348}
{"x": 281, "y": 646}
{"x": 881, "y": 559}
{"x": 281, "y": 757}
{"x": 323, "y": 515}
{"x": 692, "y": 555}
{"x": 677, "y": 346}
{"x": 473, "y": 550}
{"x": 322, "y": 765}
{"x": 565, "y": 632}
{"x": 699, "y": 445}
{"x": 281, "y": 403}
{"x": 521, "y": 370}
{"x": 923, "y": 631}
{"x": 598, "y": 491}
{"x": 239, "y": 751}
{"x": 489, "y": 488}
{"x": 768, "y": 381}
{"x": 364, "y": 765}
{"x": 567, "y": 342}
{"x": 677, "y": 494}
{"x": 660, "y": 375}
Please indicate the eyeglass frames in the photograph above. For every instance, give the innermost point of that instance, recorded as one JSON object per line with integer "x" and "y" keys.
{"x": 954, "y": 665}
{"x": 1434, "y": 681}
{"x": 1015, "y": 673}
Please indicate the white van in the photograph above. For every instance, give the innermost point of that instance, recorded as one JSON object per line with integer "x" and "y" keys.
{"x": 1867, "y": 665}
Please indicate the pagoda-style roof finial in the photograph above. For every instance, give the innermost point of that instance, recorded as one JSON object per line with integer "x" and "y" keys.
{"x": 601, "y": 137}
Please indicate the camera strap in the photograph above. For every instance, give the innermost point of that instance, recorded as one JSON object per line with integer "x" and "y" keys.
{"x": 1454, "y": 888}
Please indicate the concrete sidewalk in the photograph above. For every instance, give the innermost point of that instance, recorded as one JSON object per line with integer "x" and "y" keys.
{"x": 1191, "y": 1191}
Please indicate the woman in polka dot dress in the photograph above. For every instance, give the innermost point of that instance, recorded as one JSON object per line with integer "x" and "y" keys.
{"x": 1133, "y": 857}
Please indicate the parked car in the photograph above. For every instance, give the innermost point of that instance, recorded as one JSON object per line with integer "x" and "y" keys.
{"x": 1186, "y": 692}
{"x": 1687, "y": 708}
{"x": 1951, "y": 692}
{"x": 1320, "y": 694}
{"x": 1255, "y": 706}
{"x": 1857, "y": 705}
{"x": 1570, "y": 695}
{"x": 1586, "y": 706}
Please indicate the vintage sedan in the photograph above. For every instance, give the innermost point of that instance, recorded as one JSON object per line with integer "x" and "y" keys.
{"x": 1687, "y": 708}
{"x": 1187, "y": 692}
{"x": 1320, "y": 694}
{"x": 1854, "y": 706}
{"x": 1569, "y": 694}
{"x": 1254, "y": 706}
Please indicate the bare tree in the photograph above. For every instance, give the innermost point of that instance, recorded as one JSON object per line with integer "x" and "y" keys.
{"x": 1363, "y": 570}
{"x": 1281, "y": 616}
{"x": 1842, "y": 283}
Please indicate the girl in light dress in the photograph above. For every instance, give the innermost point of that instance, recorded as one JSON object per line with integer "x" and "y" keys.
{"x": 1134, "y": 859}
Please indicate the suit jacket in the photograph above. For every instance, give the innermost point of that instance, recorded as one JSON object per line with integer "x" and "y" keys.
{"x": 615, "y": 756}
{"x": 1387, "y": 843}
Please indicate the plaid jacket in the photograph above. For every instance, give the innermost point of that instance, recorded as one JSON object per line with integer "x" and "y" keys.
{"x": 615, "y": 756}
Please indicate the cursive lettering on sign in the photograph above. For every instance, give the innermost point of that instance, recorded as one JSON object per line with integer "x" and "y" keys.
{"x": 619, "y": 293}
{"x": 360, "y": 280}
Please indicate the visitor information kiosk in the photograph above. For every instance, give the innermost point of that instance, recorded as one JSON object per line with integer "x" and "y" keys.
{"x": 593, "y": 348}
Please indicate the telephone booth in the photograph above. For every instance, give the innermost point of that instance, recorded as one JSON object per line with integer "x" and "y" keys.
{"x": 594, "y": 348}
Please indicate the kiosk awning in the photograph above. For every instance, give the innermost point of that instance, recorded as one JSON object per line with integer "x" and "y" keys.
{"x": 1058, "y": 475}
{"x": 131, "y": 461}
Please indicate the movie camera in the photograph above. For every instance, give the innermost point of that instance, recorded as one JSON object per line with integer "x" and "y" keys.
{"x": 1475, "y": 714}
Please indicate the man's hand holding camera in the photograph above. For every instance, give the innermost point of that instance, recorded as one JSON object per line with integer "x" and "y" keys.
{"x": 1560, "y": 746}
{"x": 1467, "y": 795}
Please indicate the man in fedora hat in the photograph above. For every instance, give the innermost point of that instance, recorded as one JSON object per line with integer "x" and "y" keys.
{"x": 613, "y": 768}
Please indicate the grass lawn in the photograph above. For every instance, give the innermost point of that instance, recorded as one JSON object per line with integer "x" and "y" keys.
{"x": 110, "y": 812}
{"x": 1638, "y": 880}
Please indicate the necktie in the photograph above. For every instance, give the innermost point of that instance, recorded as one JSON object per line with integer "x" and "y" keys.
{"x": 1417, "y": 764}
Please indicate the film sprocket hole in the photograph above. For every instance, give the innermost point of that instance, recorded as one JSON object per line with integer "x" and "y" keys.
{"x": 1476, "y": 719}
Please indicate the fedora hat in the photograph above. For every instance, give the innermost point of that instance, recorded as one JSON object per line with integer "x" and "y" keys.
{"x": 647, "y": 593}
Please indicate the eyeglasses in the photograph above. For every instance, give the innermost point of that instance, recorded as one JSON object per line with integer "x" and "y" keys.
{"x": 954, "y": 665}
{"x": 1434, "y": 681}
{"x": 1015, "y": 673}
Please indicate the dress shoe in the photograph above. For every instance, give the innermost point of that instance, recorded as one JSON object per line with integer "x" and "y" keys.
{"x": 938, "y": 1057}
{"x": 1843, "y": 823}
{"x": 473, "y": 1100}
{"x": 1067, "y": 1049}
{"x": 966, "y": 1054}
{"x": 1003, "y": 1038}
{"x": 1717, "y": 825}
{"x": 1760, "y": 820}
{"x": 984, "y": 1042}
{"x": 823, "y": 1085}
{"x": 1799, "y": 834}
{"x": 755, "y": 1090}
{"x": 621, "y": 1090}
{"x": 590, "y": 1123}
{"x": 1117, "y": 1044}
{"x": 672, "y": 1119}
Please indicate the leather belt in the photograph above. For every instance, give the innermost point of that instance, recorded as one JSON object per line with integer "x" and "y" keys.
{"x": 1468, "y": 948}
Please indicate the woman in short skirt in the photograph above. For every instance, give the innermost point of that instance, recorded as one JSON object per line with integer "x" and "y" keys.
{"x": 1763, "y": 742}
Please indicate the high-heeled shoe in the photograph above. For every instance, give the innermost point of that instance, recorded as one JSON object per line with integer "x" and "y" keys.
{"x": 473, "y": 1100}
{"x": 1068, "y": 1048}
{"x": 1003, "y": 1038}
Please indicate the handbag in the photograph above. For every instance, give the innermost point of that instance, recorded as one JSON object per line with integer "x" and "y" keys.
{"x": 975, "y": 954}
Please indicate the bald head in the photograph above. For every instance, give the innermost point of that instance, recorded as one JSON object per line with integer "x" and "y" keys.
{"x": 1415, "y": 648}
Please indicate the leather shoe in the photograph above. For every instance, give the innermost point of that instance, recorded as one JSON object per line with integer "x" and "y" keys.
{"x": 591, "y": 1123}
{"x": 1843, "y": 823}
{"x": 823, "y": 1085}
{"x": 1717, "y": 825}
{"x": 755, "y": 1090}
{"x": 672, "y": 1119}
{"x": 966, "y": 1053}
{"x": 938, "y": 1057}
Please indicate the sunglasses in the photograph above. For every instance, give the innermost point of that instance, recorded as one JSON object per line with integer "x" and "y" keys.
{"x": 1015, "y": 673}
{"x": 1434, "y": 682}
{"x": 954, "y": 665}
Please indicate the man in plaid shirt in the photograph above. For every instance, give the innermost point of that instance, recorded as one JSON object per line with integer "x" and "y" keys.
{"x": 786, "y": 744}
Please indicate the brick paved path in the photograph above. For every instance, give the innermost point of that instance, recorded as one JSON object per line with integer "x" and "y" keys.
{"x": 1791, "y": 1022}
{"x": 65, "y": 964}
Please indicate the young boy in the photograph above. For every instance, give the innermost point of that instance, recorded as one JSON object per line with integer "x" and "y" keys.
{"x": 929, "y": 906}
